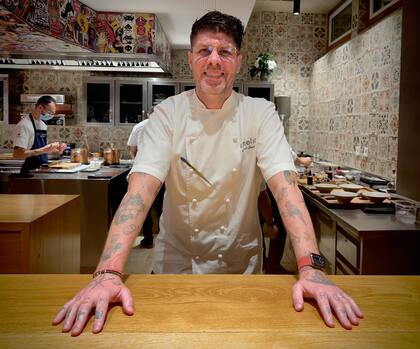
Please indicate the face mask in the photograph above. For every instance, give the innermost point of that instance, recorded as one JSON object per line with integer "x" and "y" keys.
{"x": 46, "y": 117}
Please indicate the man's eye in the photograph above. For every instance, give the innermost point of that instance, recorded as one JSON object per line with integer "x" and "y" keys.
{"x": 204, "y": 52}
{"x": 225, "y": 52}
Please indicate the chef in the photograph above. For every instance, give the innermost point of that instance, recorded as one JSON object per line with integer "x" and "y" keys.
{"x": 212, "y": 147}
{"x": 30, "y": 140}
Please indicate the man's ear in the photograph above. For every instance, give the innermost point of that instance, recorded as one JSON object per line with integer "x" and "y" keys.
{"x": 239, "y": 59}
{"x": 190, "y": 59}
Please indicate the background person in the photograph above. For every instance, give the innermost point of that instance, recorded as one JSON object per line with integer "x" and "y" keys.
{"x": 30, "y": 140}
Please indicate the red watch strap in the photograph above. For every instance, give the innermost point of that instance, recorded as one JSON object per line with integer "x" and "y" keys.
{"x": 304, "y": 261}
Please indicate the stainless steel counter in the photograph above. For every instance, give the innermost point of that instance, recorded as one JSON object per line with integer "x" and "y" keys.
{"x": 99, "y": 200}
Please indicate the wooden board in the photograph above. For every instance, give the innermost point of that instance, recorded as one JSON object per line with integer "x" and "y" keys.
{"x": 65, "y": 165}
{"x": 329, "y": 200}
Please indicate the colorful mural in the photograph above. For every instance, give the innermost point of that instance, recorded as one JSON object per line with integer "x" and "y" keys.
{"x": 16, "y": 35}
{"x": 79, "y": 27}
{"x": 125, "y": 32}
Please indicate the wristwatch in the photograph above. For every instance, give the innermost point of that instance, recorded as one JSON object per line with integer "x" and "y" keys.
{"x": 313, "y": 260}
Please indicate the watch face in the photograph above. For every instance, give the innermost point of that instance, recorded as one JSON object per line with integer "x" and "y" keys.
{"x": 318, "y": 260}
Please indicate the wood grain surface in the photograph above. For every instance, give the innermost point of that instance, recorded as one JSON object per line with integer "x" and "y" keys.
{"x": 211, "y": 311}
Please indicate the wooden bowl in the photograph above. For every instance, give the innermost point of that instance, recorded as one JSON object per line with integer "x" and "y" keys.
{"x": 351, "y": 187}
{"x": 343, "y": 196}
{"x": 375, "y": 196}
{"x": 325, "y": 187}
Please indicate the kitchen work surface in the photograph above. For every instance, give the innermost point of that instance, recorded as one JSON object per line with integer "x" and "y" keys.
{"x": 39, "y": 233}
{"x": 211, "y": 311}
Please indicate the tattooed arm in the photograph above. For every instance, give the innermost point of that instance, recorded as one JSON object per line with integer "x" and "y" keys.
{"x": 109, "y": 288}
{"x": 312, "y": 283}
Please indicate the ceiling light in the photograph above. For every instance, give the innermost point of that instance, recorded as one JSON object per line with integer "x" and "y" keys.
{"x": 296, "y": 7}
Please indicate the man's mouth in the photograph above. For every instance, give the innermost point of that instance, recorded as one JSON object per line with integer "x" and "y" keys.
{"x": 213, "y": 75}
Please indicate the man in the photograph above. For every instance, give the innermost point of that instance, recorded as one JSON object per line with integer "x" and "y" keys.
{"x": 30, "y": 141}
{"x": 210, "y": 146}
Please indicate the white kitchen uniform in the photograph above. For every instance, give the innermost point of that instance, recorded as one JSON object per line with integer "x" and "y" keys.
{"x": 137, "y": 133}
{"x": 24, "y": 132}
{"x": 212, "y": 228}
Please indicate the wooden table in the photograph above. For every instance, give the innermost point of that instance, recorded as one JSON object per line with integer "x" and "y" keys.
{"x": 39, "y": 233}
{"x": 212, "y": 311}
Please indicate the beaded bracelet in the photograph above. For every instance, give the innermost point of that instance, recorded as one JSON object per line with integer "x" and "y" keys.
{"x": 107, "y": 271}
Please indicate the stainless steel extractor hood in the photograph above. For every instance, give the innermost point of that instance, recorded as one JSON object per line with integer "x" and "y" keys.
{"x": 88, "y": 62}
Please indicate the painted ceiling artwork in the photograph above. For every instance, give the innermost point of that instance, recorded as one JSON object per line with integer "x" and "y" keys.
{"x": 16, "y": 35}
{"x": 68, "y": 20}
{"x": 125, "y": 33}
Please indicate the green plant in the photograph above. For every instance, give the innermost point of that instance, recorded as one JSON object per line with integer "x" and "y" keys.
{"x": 264, "y": 64}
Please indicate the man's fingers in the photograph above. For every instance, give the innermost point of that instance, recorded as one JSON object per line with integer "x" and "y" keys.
{"x": 341, "y": 311}
{"x": 81, "y": 319}
{"x": 355, "y": 307}
{"x": 127, "y": 301}
{"x": 60, "y": 315}
{"x": 100, "y": 315}
{"x": 297, "y": 295}
{"x": 70, "y": 317}
{"x": 324, "y": 306}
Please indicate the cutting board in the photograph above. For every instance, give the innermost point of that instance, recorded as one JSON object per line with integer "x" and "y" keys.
{"x": 65, "y": 165}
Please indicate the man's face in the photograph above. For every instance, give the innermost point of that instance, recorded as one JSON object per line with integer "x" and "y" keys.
{"x": 49, "y": 109}
{"x": 214, "y": 61}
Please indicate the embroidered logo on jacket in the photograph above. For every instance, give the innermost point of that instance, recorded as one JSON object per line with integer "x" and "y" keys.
{"x": 248, "y": 144}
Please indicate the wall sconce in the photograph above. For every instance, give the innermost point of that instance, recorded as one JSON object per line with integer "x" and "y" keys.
{"x": 296, "y": 7}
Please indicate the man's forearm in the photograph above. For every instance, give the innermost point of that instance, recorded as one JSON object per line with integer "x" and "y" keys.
{"x": 294, "y": 213}
{"x": 21, "y": 153}
{"x": 128, "y": 221}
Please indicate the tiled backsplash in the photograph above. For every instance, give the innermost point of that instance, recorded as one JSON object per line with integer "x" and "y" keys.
{"x": 342, "y": 102}
{"x": 355, "y": 100}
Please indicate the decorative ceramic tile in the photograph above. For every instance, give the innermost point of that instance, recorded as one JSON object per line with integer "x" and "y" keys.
{"x": 268, "y": 17}
{"x": 293, "y": 58}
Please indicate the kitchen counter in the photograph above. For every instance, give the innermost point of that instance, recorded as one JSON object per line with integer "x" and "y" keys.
{"x": 212, "y": 311}
{"x": 99, "y": 200}
{"x": 39, "y": 233}
{"x": 355, "y": 242}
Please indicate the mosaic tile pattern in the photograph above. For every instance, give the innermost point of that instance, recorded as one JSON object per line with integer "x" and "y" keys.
{"x": 355, "y": 91}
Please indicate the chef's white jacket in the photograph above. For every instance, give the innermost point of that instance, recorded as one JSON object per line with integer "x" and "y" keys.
{"x": 212, "y": 228}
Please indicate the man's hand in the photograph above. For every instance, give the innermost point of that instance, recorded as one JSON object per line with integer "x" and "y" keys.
{"x": 55, "y": 147}
{"x": 101, "y": 291}
{"x": 314, "y": 284}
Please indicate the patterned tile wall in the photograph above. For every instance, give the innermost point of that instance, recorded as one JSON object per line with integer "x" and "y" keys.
{"x": 296, "y": 42}
{"x": 354, "y": 100}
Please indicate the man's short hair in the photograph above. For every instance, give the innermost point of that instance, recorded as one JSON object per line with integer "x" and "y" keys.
{"x": 45, "y": 100}
{"x": 218, "y": 22}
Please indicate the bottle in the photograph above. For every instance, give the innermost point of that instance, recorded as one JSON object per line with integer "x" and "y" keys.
{"x": 330, "y": 173}
{"x": 309, "y": 178}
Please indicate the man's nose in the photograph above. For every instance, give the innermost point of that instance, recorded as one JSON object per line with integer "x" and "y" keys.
{"x": 214, "y": 57}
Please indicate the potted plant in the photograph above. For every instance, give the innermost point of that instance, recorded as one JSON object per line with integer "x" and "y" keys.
{"x": 264, "y": 65}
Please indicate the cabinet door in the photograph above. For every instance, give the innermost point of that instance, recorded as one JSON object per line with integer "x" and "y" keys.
{"x": 4, "y": 97}
{"x": 99, "y": 104}
{"x": 131, "y": 99}
{"x": 158, "y": 90}
{"x": 326, "y": 230}
{"x": 259, "y": 89}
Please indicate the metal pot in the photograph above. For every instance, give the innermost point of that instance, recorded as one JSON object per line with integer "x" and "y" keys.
{"x": 79, "y": 155}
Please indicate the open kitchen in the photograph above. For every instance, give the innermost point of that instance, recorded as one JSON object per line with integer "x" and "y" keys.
{"x": 145, "y": 142}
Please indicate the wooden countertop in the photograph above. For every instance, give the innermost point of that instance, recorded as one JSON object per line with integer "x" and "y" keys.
{"x": 26, "y": 208}
{"x": 212, "y": 311}
{"x": 362, "y": 223}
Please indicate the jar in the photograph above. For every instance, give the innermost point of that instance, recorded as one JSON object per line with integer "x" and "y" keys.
{"x": 108, "y": 156}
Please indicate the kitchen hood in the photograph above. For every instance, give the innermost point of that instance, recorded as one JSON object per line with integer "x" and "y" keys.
{"x": 87, "y": 62}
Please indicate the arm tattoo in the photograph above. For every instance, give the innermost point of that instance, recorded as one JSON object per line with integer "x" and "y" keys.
{"x": 319, "y": 278}
{"x": 290, "y": 177}
{"x": 130, "y": 207}
{"x": 293, "y": 211}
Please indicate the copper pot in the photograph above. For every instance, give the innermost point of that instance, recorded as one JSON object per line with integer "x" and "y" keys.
{"x": 79, "y": 155}
{"x": 116, "y": 156}
{"x": 108, "y": 156}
